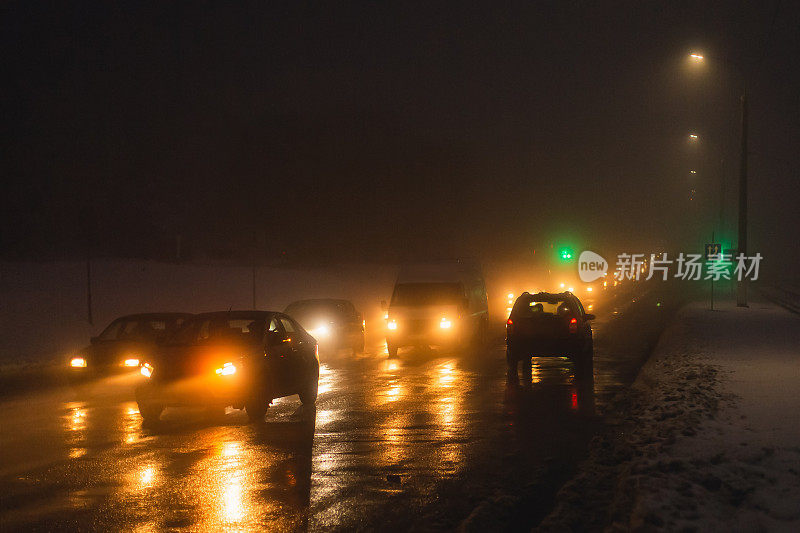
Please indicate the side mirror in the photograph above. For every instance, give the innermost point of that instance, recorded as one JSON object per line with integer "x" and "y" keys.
{"x": 589, "y": 316}
{"x": 274, "y": 338}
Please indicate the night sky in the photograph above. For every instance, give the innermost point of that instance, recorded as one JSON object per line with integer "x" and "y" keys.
{"x": 375, "y": 132}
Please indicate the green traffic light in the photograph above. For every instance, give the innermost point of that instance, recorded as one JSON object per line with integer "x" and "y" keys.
{"x": 566, "y": 254}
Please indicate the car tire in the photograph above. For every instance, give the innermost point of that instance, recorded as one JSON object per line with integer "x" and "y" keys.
{"x": 309, "y": 395}
{"x": 392, "y": 349}
{"x": 584, "y": 363}
{"x": 150, "y": 412}
{"x": 256, "y": 408}
{"x": 359, "y": 346}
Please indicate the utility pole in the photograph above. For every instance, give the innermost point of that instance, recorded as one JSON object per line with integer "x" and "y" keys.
{"x": 741, "y": 284}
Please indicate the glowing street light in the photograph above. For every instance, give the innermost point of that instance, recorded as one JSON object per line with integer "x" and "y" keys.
{"x": 697, "y": 58}
{"x": 693, "y": 136}
{"x": 693, "y": 171}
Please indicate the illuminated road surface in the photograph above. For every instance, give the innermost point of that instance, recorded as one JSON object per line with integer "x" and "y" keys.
{"x": 415, "y": 441}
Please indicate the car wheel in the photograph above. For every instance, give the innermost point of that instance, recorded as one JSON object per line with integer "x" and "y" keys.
{"x": 309, "y": 395}
{"x": 359, "y": 346}
{"x": 149, "y": 411}
{"x": 256, "y": 408}
{"x": 392, "y": 349}
{"x": 527, "y": 371}
{"x": 584, "y": 364}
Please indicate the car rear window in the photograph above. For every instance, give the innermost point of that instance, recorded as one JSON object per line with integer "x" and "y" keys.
{"x": 532, "y": 307}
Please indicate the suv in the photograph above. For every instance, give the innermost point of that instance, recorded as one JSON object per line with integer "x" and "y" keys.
{"x": 239, "y": 358}
{"x": 548, "y": 325}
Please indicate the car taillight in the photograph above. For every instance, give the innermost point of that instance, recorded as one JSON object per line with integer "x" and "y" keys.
{"x": 509, "y": 322}
{"x": 573, "y": 325}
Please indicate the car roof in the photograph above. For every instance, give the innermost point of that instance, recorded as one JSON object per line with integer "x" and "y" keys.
{"x": 321, "y": 301}
{"x": 548, "y": 296}
{"x": 237, "y": 314}
{"x": 150, "y": 316}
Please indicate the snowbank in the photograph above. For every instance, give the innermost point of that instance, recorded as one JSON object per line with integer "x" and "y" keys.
{"x": 707, "y": 438}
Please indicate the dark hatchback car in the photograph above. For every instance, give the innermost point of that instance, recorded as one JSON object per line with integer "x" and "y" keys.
{"x": 125, "y": 344}
{"x": 549, "y": 325}
{"x": 243, "y": 359}
{"x": 334, "y": 323}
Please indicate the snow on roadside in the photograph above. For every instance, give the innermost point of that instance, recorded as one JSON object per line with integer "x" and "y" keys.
{"x": 706, "y": 438}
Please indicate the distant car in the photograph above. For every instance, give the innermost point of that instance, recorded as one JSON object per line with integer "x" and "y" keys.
{"x": 243, "y": 359}
{"x": 334, "y": 323}
{"x": 549, "y": 325}
{"x": 442, "y": 304}
{"x": 125, "y": 344}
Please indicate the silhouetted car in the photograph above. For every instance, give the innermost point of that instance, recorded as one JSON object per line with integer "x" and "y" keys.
{"x": 244, "y": 359}
{"x": 548, "y": 325}
{"x": 125, "y": 344}
{"x": 334, "y": 323}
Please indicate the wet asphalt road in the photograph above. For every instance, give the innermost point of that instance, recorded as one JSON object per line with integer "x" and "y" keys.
{"x": 413, "y": 442}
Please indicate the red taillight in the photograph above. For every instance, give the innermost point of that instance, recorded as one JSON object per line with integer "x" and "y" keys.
{"x": 509, "y": 322}
{"x": 573, "y": 325}
{"x": 573, "y": 321}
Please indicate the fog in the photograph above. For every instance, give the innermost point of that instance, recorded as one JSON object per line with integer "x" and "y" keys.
{"x": 315, "y": 136}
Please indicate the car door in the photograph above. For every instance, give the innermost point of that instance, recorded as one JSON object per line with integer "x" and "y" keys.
{"x": 295, "y": 359}
{"x": 278, "y": 352}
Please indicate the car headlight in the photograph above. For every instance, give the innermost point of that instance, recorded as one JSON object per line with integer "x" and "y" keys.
{"x": 226, "y": 370}
{"x": 445, "y": 324}
{"x": 77, "y": 362}
{"x": 131, "y": 362}
{"x": 392, "y": 324}
{"x": 146, "y": 370}
{"x": 321, "y": 331}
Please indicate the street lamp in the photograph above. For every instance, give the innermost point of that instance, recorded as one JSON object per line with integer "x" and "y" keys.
{"x": 693, "y": 136}
{"x": 741, "y": 285}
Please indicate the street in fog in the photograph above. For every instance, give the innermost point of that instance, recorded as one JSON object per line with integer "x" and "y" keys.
{"x": 414, "y": 440}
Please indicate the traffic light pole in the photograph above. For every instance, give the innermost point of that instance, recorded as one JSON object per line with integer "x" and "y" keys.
{"x": 741, "y": 284}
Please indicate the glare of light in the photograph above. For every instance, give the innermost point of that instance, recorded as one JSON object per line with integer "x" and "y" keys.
{"x": 696, "y": 57}
{"x": 146, "y": 370}
{"x": 230, "y": 449}
{"x": 445, "y": 324}
{"x": 508, "y": 310}
{"x": 146, "y": 476}
{"x": 589, "y": 307}
{"x": 605, "y": 284}
{"x": 321, "y": 331}
{"x": 571, "y": 289}
{"x": 510, "y": 295}
{"x": 446, "y": 376}
{"x": 226, "y": 370}
{"x": 232, "y": 508}
{"x": 588, "y": 289}
{"x": 78, "y": 362}
{"x": 131, "y": 362}
{"x": 693, "y": 171}
{"x": 392, "y": 324}
{"x": 386, "y": 315}
{"x": 562, "y": 285}
{"x": 693, "y": 136}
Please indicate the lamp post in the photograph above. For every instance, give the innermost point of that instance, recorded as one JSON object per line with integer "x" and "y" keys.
{"x": 741, "y": 284}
